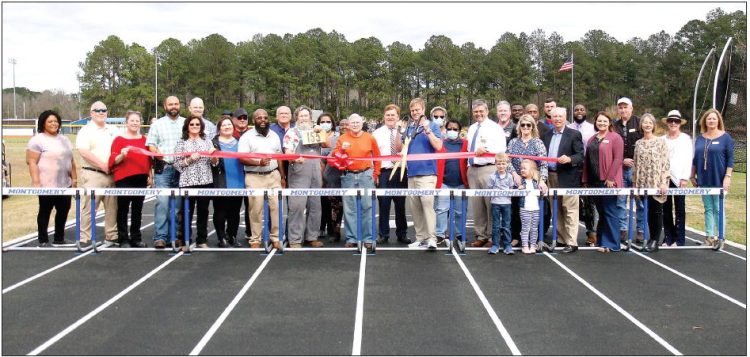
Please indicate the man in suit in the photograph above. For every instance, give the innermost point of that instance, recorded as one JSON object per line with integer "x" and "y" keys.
{"x": 565, "y": 144}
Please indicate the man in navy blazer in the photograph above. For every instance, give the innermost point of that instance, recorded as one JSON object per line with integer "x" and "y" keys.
{"x": 566, "y": 145}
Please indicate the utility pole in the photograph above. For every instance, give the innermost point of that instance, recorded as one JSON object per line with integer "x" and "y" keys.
{"x": 13, "y": 62}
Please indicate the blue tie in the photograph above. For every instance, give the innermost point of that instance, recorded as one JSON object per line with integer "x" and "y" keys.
{"x": 472, "y": 148}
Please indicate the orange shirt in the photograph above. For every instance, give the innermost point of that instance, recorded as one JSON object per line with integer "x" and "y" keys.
{"x": 362, "y": 146}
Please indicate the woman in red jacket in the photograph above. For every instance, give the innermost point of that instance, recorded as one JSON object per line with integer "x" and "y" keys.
{"x": 130, "y": 170}
{"x": 603, "y": 168}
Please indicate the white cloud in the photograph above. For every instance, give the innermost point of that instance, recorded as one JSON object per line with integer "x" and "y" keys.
{"x": 50, "y": 39}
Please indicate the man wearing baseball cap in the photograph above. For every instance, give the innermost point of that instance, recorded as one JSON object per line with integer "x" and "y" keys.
{"x": 628, "y": 126}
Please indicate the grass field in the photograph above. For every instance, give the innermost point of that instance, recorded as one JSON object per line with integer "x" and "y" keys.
{"x": 19, "y": 212}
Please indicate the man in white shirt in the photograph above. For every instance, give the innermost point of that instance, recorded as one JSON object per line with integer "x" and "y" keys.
{"x": 483, "y": 138}
{"x": 388, "y": 137}
{"x": 93, "y": 143}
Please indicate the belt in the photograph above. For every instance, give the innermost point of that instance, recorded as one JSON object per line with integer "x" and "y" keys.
{"x": 482, "y": 165}
{"x": 261, "y": 173}
{"x": 93, "y": 169}
{"x": 355, "y": 172}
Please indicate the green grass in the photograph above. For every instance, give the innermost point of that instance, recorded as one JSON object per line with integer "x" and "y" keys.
{"x": 735, "y": 207}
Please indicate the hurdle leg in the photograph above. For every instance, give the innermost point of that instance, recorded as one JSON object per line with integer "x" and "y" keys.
{"x": 451, "y": 221}
{"x": 720, "y": 244}
{"x": 373, "y": 223}
{"x": 359, "y": 221}
{"x": 186, "y": 218}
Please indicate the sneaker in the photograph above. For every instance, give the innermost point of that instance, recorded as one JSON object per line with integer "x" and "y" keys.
{"x": 534, "y": 248}
{"x": 43, "y": 244}
{"x": 62, "y": 243}
{"x": 403, "y": 240}
{"x": 314, "y": 243}
{"x": 222, "y": 243}
{"x": 111, "y": 243}
{"x": 494, "y": 249}
{"x": 441, "y": 241}
{"x": 160, "y": 244}
{"x": 432, "y": 244}
{"x": 201, "y": 245}
{"x": 508, "y": 250}
{"x": 84, "y": 245}
{"x": 525, "y": 250}
{"x": 295, "y": 245}
{"x": 136, "y": 244}
{"x": 418, "y": 244}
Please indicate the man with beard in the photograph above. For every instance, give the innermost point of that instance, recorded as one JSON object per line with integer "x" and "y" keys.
{"x": 196, "y": 108}
{"x": 503, "y": 119}
{"x": 162, "y": 139}
{"x": 262, "y": 174}
{"x": 516, "y": 111}
{"x": 239, "y": 118}
{"x": 549, "y": 104}
{"x": 587, "y": 211}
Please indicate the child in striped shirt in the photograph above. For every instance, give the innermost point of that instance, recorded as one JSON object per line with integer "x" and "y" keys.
{"x": 529, "y": 207}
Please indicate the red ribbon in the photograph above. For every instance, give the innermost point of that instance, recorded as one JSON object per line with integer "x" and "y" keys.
{"x": 340, "y": 160}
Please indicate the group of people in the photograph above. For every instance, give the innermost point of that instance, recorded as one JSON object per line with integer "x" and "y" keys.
{"x": 601, "y": 152}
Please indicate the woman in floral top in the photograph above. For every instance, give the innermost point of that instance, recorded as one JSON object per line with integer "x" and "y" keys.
{"x": 195, "y": 172}
{"x": 526, "y": 143}
{"x": 652, "y": 170}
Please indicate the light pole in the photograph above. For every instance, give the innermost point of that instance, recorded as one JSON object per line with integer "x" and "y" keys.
{"x": 13, "y": 62}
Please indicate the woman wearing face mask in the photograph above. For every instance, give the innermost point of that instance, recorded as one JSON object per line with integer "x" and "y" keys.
{"x": 528, "y": 143}
{"x": 333, "y": 209}
{"x": 438, "y": 115}
{"x": 228, "y": 173}
{"x": 304, "y": 212}
{"x": 454, "y": 177}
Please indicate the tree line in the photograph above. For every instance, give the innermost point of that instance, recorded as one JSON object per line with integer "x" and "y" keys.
{"x": 326, "y": 71}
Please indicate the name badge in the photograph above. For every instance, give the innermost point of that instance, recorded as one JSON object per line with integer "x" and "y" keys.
{"x": 631, "y": 131}
{"x": 605, "y": 141}
{"x": 310, "y": 137}
{"x": 715, "y": 143}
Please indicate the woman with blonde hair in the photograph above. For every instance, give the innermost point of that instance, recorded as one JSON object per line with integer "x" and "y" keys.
{"x": 651, "y": 169}
{"x": 713, "y": 162}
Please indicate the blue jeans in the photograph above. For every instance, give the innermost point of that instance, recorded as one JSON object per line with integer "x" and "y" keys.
{"x": 360, "y": 180}
{"x": 711, "y": 215}
{"x": 169, "y": 178}
{"x": 622, "y": 203}
{"x": 442, "y": 205}
{"x": 501, "y": 222}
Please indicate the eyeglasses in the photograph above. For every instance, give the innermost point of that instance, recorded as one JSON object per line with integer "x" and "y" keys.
{"x": 244, "y": 117}
{"x": 452, "y": 129}
{"x": 525, "y": 125}
{"x": 194, "y": 124}
{"x": 439, "y": 117}
{"x": 99, "y": 110}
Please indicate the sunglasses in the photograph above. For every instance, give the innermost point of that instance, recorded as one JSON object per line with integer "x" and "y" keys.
{"x": 439, "y": 117}
{"x": 194, "y": 124}
{"x": 525, "y": 125}
{"x": 99, "y": 110}
{"x": 244, "y": 117}
{"x": 674, "y": 121}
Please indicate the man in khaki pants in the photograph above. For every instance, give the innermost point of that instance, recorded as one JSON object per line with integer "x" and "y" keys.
{"x": 93, "y": 143}
{"x": 262, "y": 174}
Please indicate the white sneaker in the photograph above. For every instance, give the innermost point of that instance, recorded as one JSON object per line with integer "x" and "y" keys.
{"x": 418, "y": 244}
{"x": 432, "y": 244}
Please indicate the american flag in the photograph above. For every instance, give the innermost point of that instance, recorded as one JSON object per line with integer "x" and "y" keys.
{"x": 567, "y": 66}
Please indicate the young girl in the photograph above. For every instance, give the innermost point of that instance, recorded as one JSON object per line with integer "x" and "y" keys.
{"x": 529, "y": 207}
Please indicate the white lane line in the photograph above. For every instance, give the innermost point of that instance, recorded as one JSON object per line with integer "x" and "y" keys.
{"x": 726, "y": 241}
{"x": 211, "y": 331}
{"x": 498, "y": 324}
{"x": 619, "y": 309}
{"x": 28, "y": 280}
{"x": 696, "y": 282}
{"x": 358, "y": 315}
{"x": 101, "y": 307}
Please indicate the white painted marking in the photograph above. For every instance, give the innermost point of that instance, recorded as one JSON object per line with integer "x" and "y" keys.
{"x": 359, "y": 311}
{"x": 619, "y": 309}
{"x": 212, "y": 330}
{"x": 28, "y": 280}
{"x": 726, "y": 241}
{"x": 696, "y": 282}
{"x": 101, "y": 307}
{"x": 498, "y": 324}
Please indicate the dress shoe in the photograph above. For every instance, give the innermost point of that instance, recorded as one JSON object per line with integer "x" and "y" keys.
{"x": 382, "y": 240}
{"x": 314, "y": 243}
{"x": 639, "y": 238}
{"x": 222, "y": 243}
{"x": 350, "y": 245}
{"x": 404, "y": 240}
{"x": 233, "y": 242}
{"x": 480, "y": 243}
{"x": 179, "y": 243}
{"x": 202, "y": 245}
{"x": 591, "y": 239}
{"x": 137, "y": 244}
{"x": 368, "y": 245}
{"x": 295, "y": 245}
{"x": 160, "y": 244}
{"x": 570, "y": 249}
{"x": 43, "y": 244}
{"x": 256, "y": 244}
{"x": 62, "y": 243}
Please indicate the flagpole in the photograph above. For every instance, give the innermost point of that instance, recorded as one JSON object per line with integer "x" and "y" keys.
{"x": 572, "y": 75}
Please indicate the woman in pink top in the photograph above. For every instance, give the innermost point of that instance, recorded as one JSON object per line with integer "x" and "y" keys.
{"x": 603, "y": 168}
{"x": 51, "y": 164}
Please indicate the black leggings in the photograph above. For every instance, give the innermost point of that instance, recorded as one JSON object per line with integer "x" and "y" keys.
{"x": 227, "y": 212}
{"x": 132, "y": 203}
{"x": 61, "y": 204}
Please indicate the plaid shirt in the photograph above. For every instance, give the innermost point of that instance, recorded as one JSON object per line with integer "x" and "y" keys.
{"x": 165, "y": 134}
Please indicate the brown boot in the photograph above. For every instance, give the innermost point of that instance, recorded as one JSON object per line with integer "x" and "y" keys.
{"x": 591, "y": 239}
{"x": 480, "y": 243}
{"x": 314, "y": 243}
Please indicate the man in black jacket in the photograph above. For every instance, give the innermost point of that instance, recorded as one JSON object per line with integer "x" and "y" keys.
{"x": 628, "y": 126}
{"x": 566, "y": 145}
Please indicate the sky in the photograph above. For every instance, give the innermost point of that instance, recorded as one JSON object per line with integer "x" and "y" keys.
{"x": 48, "y": 40}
